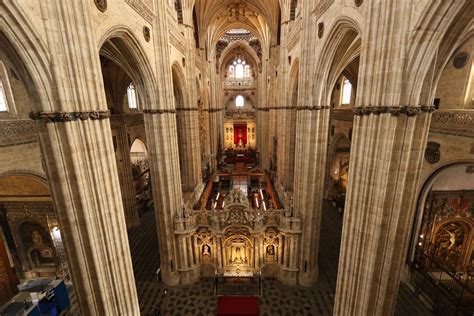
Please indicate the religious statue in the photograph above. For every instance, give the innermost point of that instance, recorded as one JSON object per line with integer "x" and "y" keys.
{"x": 36, "y": 237}
{"x": 270, "y": 250}
{"x": 206, "y": 250}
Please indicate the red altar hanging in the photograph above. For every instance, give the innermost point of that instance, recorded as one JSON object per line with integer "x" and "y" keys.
{"x": 240, "y": 132}
{"x": 238, "y": 306}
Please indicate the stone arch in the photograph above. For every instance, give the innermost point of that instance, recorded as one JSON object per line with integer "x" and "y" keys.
{"x": 339, "y": 141}
{"x": 294, "y": 83}
{"x": 248, "y": 51}
{"x": 341, "y": 46}
{"x": 179, "y": 86}
{"x": 40, "y": 177}
{"x": 138, "y": 150}
{"x": 20, "y": 39}
{"x": 122, "y": 47}
{"x": 447, "y": 49}
{"x": 445, "y": 23}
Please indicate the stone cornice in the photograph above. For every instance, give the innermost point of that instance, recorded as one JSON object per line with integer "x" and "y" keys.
{"x": 213, "y": 110}
{"x": 299, "y": 108}
{"x": 159, "y": 111}
{"x": 60, "y": 116}
{"x": 392, "y": 110}
{"x": 187, "y": 110}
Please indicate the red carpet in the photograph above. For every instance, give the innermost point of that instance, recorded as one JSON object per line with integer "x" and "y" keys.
{"x": 237, "y": 306}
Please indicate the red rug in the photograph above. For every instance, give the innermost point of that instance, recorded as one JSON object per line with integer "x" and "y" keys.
{"x": 238, "y": 306}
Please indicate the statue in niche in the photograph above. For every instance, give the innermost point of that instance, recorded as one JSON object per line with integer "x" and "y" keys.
{"x": 206, "y": 250}
{"x": 270, "y": 250}
{"x": 238, "y": 255}
{"x": 36, "y": 238}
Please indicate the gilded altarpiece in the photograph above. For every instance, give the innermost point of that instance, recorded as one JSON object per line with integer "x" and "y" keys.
{"x": 446, "y": 233}
{"x": 241, "y": 241}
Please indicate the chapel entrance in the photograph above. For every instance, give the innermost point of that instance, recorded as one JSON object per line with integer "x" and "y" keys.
{"x": 238, "y": 256}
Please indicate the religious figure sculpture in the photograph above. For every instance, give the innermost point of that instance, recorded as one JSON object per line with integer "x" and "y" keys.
{"x": 36, "y": 238}
{"x": 206, "y": 250}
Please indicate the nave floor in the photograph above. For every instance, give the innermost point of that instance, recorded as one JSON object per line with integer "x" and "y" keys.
{"x": 277, "y": 299}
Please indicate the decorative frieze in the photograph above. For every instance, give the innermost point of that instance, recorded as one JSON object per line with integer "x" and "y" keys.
{"x": 300, "y": 108}
{"x": 15, "y": 132}
{"x": 214, "y": 110}
{"x": 187, "y": 109}
{"x": 392, "y": 110}
{"x": 159, "y": 111}
{"x": 60, "y": 116}
{"x": 144, "y": 8}
{"x": 459, "y": 123}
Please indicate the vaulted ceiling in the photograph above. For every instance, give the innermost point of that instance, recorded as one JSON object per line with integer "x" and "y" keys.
{"x": 257, "y": 16}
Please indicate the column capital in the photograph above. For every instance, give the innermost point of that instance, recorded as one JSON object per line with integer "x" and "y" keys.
{"x": 409, "y": 110}
{"x": 63, "y": 116}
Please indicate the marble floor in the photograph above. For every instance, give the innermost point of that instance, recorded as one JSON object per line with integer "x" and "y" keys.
{"x": 277, "y": 299}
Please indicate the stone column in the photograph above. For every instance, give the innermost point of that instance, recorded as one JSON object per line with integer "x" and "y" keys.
{"x": 166, "y": 186}
{"x": 386, "y": 158}
{"x": 263, "y": 142}
{"x": 384, "y": 171}
{"x": 312, "y": 124}
{"x": 190, "y": 155}
{"x": 124, "y": 167}
{"x": 311, "y": 148}
{"x": 163, "y": 158}
{"x": 86, "y": 191}
{"x": 76, "y": 144}
{"x": 188, "y": 116}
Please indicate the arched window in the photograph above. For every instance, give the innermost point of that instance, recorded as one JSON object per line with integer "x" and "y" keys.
{"x": 239, "y": 71}
{"x": 242, "y": 70}
{"x": 346, "y": 92}
{"x": 3, "y": 99}
{"x": 239, "y": 101}
{"x": 132, "y": 97}
{"x": 294, "y": 4}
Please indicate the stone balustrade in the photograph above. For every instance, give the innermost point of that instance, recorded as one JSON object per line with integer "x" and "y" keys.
{"x": 15, "y": 132}
{"x": 248, "y": 83}
{"x": 459, "y": 122}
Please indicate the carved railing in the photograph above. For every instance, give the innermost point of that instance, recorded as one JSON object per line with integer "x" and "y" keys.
{"x": 239, "y": 83}
{"x": 459, "y": 123}
{"x": 280, "y": 218}
{"x": 16, "y": 132}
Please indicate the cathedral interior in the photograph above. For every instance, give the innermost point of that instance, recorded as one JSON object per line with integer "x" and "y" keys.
{"x": 236, "y": 157}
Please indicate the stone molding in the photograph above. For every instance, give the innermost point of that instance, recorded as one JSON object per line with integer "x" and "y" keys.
{"x": 60, "y": 116}
{"x": 392, "y": 110}
{"x": 159, "y": 111}
{"x": 298, "y": 108}
{"x": 213, "y": 110}
{"x": 15, "y": 132}
{"x": 187, "y": 110}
